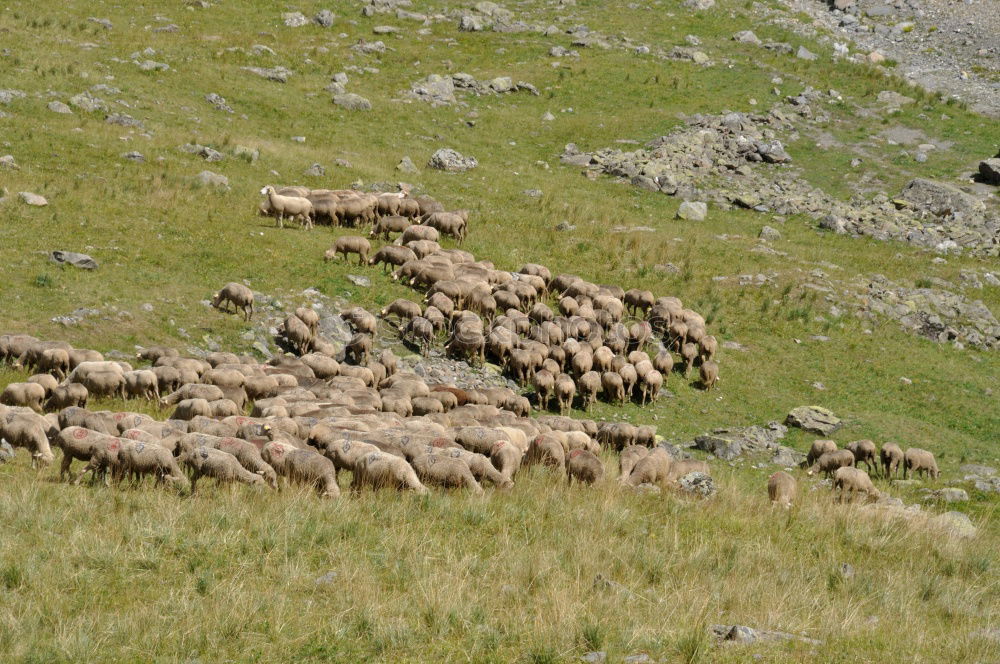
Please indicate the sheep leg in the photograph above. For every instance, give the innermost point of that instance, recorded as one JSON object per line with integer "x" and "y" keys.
{"x": 64, "y": 468}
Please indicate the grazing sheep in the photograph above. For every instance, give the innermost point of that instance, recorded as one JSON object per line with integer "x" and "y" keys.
{"x": 584, "y": 466}
{"x": 378, "y": 470}
{"x": 781, "y": 489}
{"x": 402, "y": 308}
{"x": 308, "y": 316}
{"x": 863, "y": 450}
{"x": 389, "y": 224}
{"x": 25, "y": 395}
{"x": 920, "y": 462}
{"x": 818, "y": 449}
{"x": 137, "y": 459}
{"x": 482, "y": 467}
{"x": 589, "y": 385}
{"x": 689, "y": 353}
{"x": 420, "y": 232}
{"x": 651, "y": 382}
{"x": 544, "y": 384}
{"x": 664, "y": 362}
{"x": 709, "y": 374}
{"x": 679, "y": 469}
{"x": 506, "y": 458}
{"x": 47, "y": 381}
{"x": 853, "y": 480}
{"x": 350, "y": 244}
{"x": 142, "y": 384}
{"x": 546, "y": 450}
{"x": 222, "y": 466}
{"x": 891, "y": 456}
{"x": 54, "y": 361}
{"x": 392, "y": 255}
{"x": 708, "y": 346}
{"x": 292, "y": 207}
{"x": 64, "y": 396}
{"x": 654, "y": 468}
{"x": 613, "y": 387}
{"x": 238, "y": 295}
{"x": 627, "y": 459}
{"x": 297, "y": 334}
{"x": 311, "y": 468}
{"x": 245, "y": 452}
{"x": 358, "y": 349}
{"x": 565, "y": 390}
{"x": 193, "y": 391}
{"x": 831, "y": 461}
{"x": 445, "y": 471}
{"x": 26, "y": 430}
{"x": 191, "y": 408}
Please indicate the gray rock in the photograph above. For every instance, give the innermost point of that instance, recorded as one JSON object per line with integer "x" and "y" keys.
{"x": 35, "y": 200}
{"x": 805, "y": 54}
{"x": 218, "y": 102}
{"x": 357, "y": 280}
{"x": 446, "y": 159}
{"x": 773, "y": 152}
{"x": 939, "y": 199}
{"x": 892, "y": 99}
{"x": 950, "y": 495}
{"x": 956, "y": 524}
{"x": 7, "y": 161}
{"x": 814, "y": 419}
{"x": 770, "y": 234}
{"x": 594, "y": 657}
{"x": 294, "y": 19}
{"x": 746, "y": 37}
{"x": 698, "y": 484}
{"x": 59, "y": 107}
{"x": 327, "y": 579}
{"x": 786, "y": 457}
{"x": 324, "y": 18}
{"x": 210, "y": 179}
{"x": 692, "y": 211}
{"x": 741, "y": 634}
{"x": 7, "y": 96}
{"x": 276, "y": 74}
{"x": 87, "y": 102}
{"x": 385, "y": 29}
{"x": 987, "y": 485}
{"x": 989, "y": 171}
{"x": 533, "y": 193}
{"x": 406, "y": 165}
{"x": 122, "y": 120}
{"x": 368, "y": 47}
{"x": 737, "y": 634}
{"x": 834, "y": 223}
{"x": 724, "y": 448}
{"x": 152, "y": 65}
{"x": 699, "y": 5}
{"x": 7, "y": 453}
{"x": 103, "y": 22}
{"x": 565, "y": 226}
{"x": 352, "y": 102}
{"x": 316, "y": 170}
{"x": 82, "y": 261}
{"x": 435, "y": 89}
{"x": 134, "y": 156}
{"x": 471, "y": 23}
{"x": 843, "y": 4}
{"x": 976, "y": 470}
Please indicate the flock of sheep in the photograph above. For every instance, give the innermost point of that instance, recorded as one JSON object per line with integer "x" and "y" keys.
{"x": 319, "y": 410}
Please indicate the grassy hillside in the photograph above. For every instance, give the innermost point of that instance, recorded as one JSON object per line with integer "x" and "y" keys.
{"x": 104, "y": 574}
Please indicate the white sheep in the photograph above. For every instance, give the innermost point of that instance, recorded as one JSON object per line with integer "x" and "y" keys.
{"x": 293, "y": 207}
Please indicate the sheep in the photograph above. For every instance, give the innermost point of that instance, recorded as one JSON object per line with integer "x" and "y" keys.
{"x": 709, "y": 373}
{"x": 565, "y": 390}
{"x": 311, "y": 468}
{"x": 392, "y": 255}
{"x": 891, "y": 456}
{"x": 853, "y": 480}
{"x": 448, "y": 223}
{"x": 54, "y": 361}
{"x": 420, "y": 232}
{"x": 358, "y": 349}
{"x": 349, "y": 244}
{"x": 481, "y": 466}
{"x": 141, "y": 383}
{"x": 26, "y": 395}
{"x": 137, "y": 459}
{"x": 544, "y": 384}
{"x": 292, "y": 207}
{"x": 654, "y": 468}
{"x": 190, "y": 408}
{"x": 589, "y": 386}
{"x": 244, "y": 451}
{"x": 236, "y": 294}
{"x": 506, "y": 458}
{"x": 102, "y": 383}
{"x": 445, "y": 471}
{"x": 402, "y": 308}
{"x": 547, "y": 451}
{"x": 629, "y": 378}
{"x": 389, "y": 224}
{"x": 351, "y": 211}
{"x": 863, "y": 450}
{"x": 222, "y": 466}
{"x": 99, "y": 450}
{"x": 818, "y": 449}
{"x": 831, "y": 461}
{"x": 651, "y": 382}
{"x": 308, "y": 316}
{"x": 26, "y": 430}
{"x": 613, "y": 387}
{"x": 47, "y": 381}
{"x": 708, "y": 346}
{"x": 297, "y": 334}
{"x": 72, "y": 394}
{"x": 193, "y": 391}
{"x": 920, "y": 462}
{"x": 584, "y": 466}
{"x": 377, "y": 470}
{"x": 627, "y": 459}
{"x": 664, "y": 362}
{"x": 361, "y": 320}
{"x": 689, "y": 353}
{"x": 682, "y": 467}
{"x": 781, "y": 489}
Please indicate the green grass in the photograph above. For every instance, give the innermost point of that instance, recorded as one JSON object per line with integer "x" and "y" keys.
{"x": 92, "y": 574}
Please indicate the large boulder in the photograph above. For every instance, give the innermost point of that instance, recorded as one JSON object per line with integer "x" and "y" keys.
{"x": 697, "y": 484}
{"x": 814, "y": 419}
{"x": 940, "y": 199}
{"x": 447, "y": 159}
{"x": 352, "y": 102}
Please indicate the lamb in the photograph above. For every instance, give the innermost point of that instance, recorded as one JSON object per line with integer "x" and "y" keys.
{"x": 236, "y": 294}
{"x": 831, "y": 461}
{"x": 377, "y": 470}
{"x": 584, "y": 466}
{"x": 26, "y": 395}
{"x": 654, "y": 468}
{"x": 863, "y": 450}
{"x": 292, "y": 207}
{"x": 818, "y": 449}
{"x": 392, "y": 255}
{"x": 709, "y": 374}
{"x": 920, "y": 462}
{"x": 853, "y": 480}
{"x": 64, "y": 396}
{"x": 446, "y": 471}
{"x": 137, "y": 459}
{"x": 224, "y": 467}
{"x": 565, "y": 390}
{"x": 781, "y": 489}
{"x": 143, "y": 384}
{"x": 891, "y": 456}
{"x": 627, "y": 459}
{"x": 350, "y": 244}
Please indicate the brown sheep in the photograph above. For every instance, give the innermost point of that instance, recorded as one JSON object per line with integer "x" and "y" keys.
{"x": 236, "y": 294}
{"x": 781, "y": 489}
{"x": 222, "y": 466}
{"x": 627, "y": 459}
{"x": 389, "y": 224}
{"x": 445, "y": 471}
{"x": 297, "y": 334}
{"x": 654, "y": 468}
{"x": 853, "y": 480}
{"x": 29, "y": 431}
{"x": 920, "y": 462}
{"x": 831, "y": 461}
{"x": 818, "y": 449}
{"x": 664, "y": 362}
{"x": 891, "y": 456}
{"x": 613, "y": 387}
{"x": 584, "y": 466}
{"x": 25, "y": 395}
{"x": 481, "y": 466}
{"x": 863, "y": 450}
{"x": 709, "y": 374}
{"x": 378, "y": 470}
{"x": 190, "y": 408}
{"x": 350, "y": 244}
{"x": 546, "y": 450}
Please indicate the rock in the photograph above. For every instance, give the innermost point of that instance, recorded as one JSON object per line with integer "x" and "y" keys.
{"x": 976, "y": 470}
{"x": 892, "y": 99}
{"x": 59, "y": 107}
{"x": 646, "y": 487}
{"x": 769, "y": 234}
{"x": 7, "y": 161}
{"x": 470, "y": 23}
{"x": 548, "y": 117}
{"x": 594, "y": 657}
{"x": 834, "y": 223}
{"x": 122, "y": 120}
{"x": 698, "y": 484}
{"x": 210, "y": 154}
{"x": 276, "y": 74}
{"x": 950, "y": 495}
{"x": 446, "y": 159}
{"x": 245, "y": 153}
{"x": 692, "y": 211}
{"x": 134, "y": 156}
{"x": 747, "y": 37}
{"x": 218, "y": 102}
{"x": 989, "y": 171}
{"x": 324, "y": 18}
{"x": 435, "y": 89}
{"x": 814, "y": 419}
{"x": 565, "y": 226}
{"x": 210, "y": 179}
{"x": 532, "y": 193}
{"x": 152, "y": 65}
{"x": 82, "y": 261}
{"x": 843, "y": 4}
{"x": 294, "y": 19}
{"x": 87, "y": 102}
{"x": 385, "y": 29}
{"x": 368, "y": 47}
{"x": 741, "y": 635}
{"x": 876, "y": 58}
{"x": 316, "y": 170}
{"x": 847, "y": 570}
{"x": 940, "y": 199}
{"x": 7, "y": 454}
{"x": 805, "y": 54}
{"x": 352, "y": 102}
{"x": 773, "y": 152}
{"x": 103, "y": 22}
{"x": 7, "y": 96}
{"x": 699, "y": 5}
{"x": 989, "y": 485}
{"x": 786, "y": 457}
{"x": 357, "y": 280}
{"x": 327, "y": 579}
{"x": 33, "y": 199}
{"x": 956, "y": 524}
{"x": 726, "y": 449}
{"x": 406, "y": 165}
